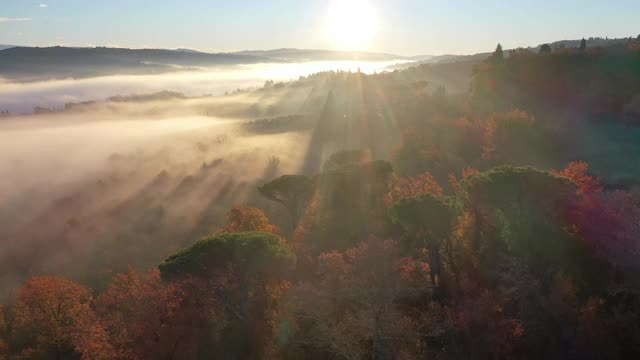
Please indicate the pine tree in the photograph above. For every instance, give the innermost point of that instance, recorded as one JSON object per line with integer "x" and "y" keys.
{"x": 545, "y": 49}
{"x": 498, "y": 54}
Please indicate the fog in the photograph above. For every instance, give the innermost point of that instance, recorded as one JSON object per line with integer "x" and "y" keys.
{"x": 17, "y": 97}
{"x": 90, "y": 191}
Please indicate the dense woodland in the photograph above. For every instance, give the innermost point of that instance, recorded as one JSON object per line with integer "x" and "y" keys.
{"x": 500, "y": 222}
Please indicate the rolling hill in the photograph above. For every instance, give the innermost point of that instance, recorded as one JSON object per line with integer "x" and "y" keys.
{"x": 35, "y": 63}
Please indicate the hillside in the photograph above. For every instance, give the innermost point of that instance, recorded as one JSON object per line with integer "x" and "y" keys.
{"x": 34, "y": 63}
{"x": 479, "y": 57}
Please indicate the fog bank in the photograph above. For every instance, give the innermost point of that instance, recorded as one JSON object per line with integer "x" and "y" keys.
{"x": 23, "y": 97}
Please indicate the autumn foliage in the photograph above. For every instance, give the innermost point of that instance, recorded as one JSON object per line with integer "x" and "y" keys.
{"x": 402, "y": 188}
{"x": 137, "y": 311}
{"x": 53, "y": 317}
{"x": 578, "y": 171}
{"x": 245, "y": 218}
{"x": 462, "y": 244}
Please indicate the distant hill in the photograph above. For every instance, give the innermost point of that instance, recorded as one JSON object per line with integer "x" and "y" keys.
{"x": 41, "y": 63}
{"x": 421, "y": 57}
{"x": 35, "y": 63}
{"x": 2, "y": 47}
{"x": 454, "y": 71}
{"x": 475, "y": 58}
{"x": 591, "y": 42}
{"x": 189, "y": 51}
{"x": 320, "y": 55}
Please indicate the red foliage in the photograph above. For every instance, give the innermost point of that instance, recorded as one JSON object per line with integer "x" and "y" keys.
{"x": 136, "y": 310}
{"x": 53, "y": 316}
{"x": 578, "y": 171}
{"x": 355, "y": 301}
{"x": 402, "y": 188}
{"x": 607, "y": 221}
{"x": 610, "y": 224}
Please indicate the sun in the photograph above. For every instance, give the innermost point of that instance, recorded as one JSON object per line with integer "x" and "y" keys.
{"x": 351, "y": 24}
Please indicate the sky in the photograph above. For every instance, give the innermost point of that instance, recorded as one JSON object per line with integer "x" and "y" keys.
{"x": 406, "y": 27}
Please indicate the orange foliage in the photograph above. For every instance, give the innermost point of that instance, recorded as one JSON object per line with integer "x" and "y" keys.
{"x": 468, "y": 171}
{"x": 52, "y": 315}
{"x": 413, "y": 270}
{"x": 501, "y": 130}
{"x": 135, "y": 310}
{"x": 578, "y": 171}
{"x": 354, "y": 303}
{"x": 402, "y": 188}
{"x": 245, "y": 218}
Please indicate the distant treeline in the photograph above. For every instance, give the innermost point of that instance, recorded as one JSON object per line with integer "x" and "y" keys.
{"x": 593, "y": 81}
{"x": 278, "y": 124}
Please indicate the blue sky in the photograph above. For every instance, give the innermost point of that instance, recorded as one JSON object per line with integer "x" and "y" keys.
{"x": 408, "y": 27}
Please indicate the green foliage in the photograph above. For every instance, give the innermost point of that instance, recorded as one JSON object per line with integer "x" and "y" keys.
{"x": 590, "y": 81}
{"x": 429, "y": 213}
{"x": 527, "y": 207}
{"x": 428, "y": 218}
{"x": 513, "y": 188}
{"x": 350, "y": 205}
{"x": 292, "y": 191}
{"x": 253, "y": 253}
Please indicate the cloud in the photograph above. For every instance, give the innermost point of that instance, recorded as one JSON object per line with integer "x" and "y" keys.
{"x": 43, "y": 5}
{"x": 6, "y": 19}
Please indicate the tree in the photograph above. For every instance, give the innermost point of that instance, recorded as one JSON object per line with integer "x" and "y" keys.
{"x": 342, "y": 159}
{"x": 525, "y": 209}
{"x": 244, "y": 273}
{"x": 138, "y": 312}
{"x": 498, "y": 54}
{"x": 401, "y": 188}
{"x": 583, "y": 44}
{"x": 292, "y": 191}
{"x": 430, "y": 219}
{"x": 52, "y": 317}
{"x": 348, "y": 206}
{"x": 253, "y": 255}
{"x": 545, "y": 49}
{"x": 245, "y": 218}
{"x": 354, "y": 309}
{"x": 578, "y": 171}
{"x": 514, "y": 138}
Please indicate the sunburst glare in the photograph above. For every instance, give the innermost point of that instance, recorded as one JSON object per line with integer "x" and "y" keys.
{"x": 351, "y": 24}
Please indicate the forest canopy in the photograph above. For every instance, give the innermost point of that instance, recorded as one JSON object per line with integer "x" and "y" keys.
{"x": 415, "y": 222}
